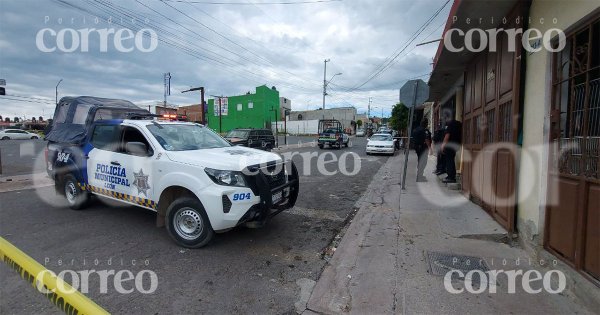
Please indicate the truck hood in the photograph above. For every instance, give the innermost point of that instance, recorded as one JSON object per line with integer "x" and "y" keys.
{"x": 228, "y": 158}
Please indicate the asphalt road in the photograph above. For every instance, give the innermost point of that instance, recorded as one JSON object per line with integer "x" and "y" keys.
{"x": 241, "y": 271}
{"x": 18, "y": 156}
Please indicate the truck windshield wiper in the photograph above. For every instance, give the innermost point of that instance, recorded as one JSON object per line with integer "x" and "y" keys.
{"x": 157, "y": 124}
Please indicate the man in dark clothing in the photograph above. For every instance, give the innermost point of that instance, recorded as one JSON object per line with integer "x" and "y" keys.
{"x": 438, "y": 138}
{"x": 422, "y": 145}
{"x": 452, "y": 141}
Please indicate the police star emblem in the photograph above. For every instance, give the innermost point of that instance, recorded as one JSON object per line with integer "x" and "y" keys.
{"x": 141, "y": 182}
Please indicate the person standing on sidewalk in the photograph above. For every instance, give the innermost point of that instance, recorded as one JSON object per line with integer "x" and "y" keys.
{"x": 452, "y": 141}
{"x": 422, "y": 145}
{"x": 438, "y": 138}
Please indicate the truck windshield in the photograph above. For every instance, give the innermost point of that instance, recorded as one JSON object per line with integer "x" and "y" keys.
{"x": 180, "y": 137}
{"x": 243, "y": 134}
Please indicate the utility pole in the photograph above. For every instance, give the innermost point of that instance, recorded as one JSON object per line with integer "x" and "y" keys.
{"x": 325, "y": 81}
{"x": 201, "y": 89}
{"x": 369, "y": 108}
{"x": 167, "y": 86}
{"x": 56, "y": 90}
{"x": 409, "y": 131}
{"x": 276, "y": 129}
{"x": 220, "y": 115}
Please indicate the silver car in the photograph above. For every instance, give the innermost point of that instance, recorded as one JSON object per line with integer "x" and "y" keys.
{"x": 17, "y": 134}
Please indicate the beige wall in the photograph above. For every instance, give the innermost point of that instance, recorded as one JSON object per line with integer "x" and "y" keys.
{"x": 533, "y": 166}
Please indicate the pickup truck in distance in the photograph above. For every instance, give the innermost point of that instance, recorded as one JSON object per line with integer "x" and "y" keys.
{"x": 332, "y": 134}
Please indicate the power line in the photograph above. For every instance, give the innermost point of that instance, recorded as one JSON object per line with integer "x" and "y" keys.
{"x": 210, "y": 41}
{"x": 179, "y": 43}
{"x": 390, "y": 60}
{"x": 31, "y": 97}
{"x": 258, "y": 3}
{"x": 24, "y": 100}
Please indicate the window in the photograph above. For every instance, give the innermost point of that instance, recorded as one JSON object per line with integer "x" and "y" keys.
{"x": 131, "y": 134}
{"x": 250, "y": 105}
{"x": 106, "y": 114}
{"x": 299, "y": 116}
{"x": 185, "y": 137}
{"x": 61, "y": 115}
{"x": 106, "y": 137}
{"x": 576, "y": 103}
{"x": 81, "y": 114}
{"x": 239, "y": 107}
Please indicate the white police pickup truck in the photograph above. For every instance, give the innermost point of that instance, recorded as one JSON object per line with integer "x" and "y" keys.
{"x": 197, "y": 182}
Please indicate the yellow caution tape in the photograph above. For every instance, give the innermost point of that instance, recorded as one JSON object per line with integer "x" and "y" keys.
{"x": 47, "y": 283}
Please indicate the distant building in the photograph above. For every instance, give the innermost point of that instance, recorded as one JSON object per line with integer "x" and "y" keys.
{"x": 363, "y": 118}
{"x": 284, "y": 104}
{"x": 346, "y": 115}
{"x": 194, "y": 112}
{"x": 159, "y": 108}
{"x": 258, "y": 110}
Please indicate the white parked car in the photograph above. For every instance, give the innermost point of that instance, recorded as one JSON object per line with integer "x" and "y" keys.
{"x": 17, "y": 134}
{"x": 360, "y": 132}
{"x": 381, "y": 143}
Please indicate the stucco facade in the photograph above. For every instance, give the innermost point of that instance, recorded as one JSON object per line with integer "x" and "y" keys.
{"x": 533, "y": 177}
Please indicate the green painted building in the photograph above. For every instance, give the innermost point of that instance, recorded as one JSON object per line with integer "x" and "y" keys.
{"x": 258, "y": 110}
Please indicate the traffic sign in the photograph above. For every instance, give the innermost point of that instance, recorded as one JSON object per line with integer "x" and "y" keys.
{"x": 408, "y": 90}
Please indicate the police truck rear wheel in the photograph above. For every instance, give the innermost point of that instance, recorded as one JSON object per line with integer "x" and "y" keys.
{"x": 188, "y": 224}
{"x": 76, "y": 198}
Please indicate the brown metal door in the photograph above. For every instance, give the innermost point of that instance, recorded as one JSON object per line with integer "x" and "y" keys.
{"x": 490, "y": 114}
{"x": 573, "y": 209}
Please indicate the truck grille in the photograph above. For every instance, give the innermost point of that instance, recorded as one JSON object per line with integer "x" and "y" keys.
{"x": 274, "y": 174}
{"x": 276, "y": 179}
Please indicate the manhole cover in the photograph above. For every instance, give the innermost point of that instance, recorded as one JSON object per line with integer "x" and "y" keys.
{"x": 441, "y": 263}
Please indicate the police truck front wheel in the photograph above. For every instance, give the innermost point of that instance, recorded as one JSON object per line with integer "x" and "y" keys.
{"x": 76, "y": 197}
{"x": 188, "y": 224}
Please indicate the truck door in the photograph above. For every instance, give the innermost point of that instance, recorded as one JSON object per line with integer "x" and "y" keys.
{"x": 102, "y": 160}
{"x": 136, "y": 167}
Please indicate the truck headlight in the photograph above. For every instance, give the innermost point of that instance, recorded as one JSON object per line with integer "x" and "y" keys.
{"x": 226, "y": 178}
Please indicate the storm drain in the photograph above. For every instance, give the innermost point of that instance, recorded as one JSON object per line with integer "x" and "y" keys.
{"x": 441, "y": 263}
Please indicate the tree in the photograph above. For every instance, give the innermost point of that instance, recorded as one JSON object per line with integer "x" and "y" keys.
{"x": 16, "y": 119}
{"x": 399, "y": 118}
{"x": 7, "y": 119}
{"x": 41, "y": 119}
{"x": 359, "y": 123}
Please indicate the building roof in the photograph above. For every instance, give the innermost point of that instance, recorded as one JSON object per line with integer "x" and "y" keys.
{"x": 449, "y": 66}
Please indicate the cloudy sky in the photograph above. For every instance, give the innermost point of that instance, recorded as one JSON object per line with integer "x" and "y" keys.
{"x": 228, "y": 46}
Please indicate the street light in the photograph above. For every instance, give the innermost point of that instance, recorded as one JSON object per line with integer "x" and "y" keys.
{"x": 339, "y": 73}
{"x": 201, "y": 89}
{"x": 325, "y": 82}
{"x": 56, "y": 90}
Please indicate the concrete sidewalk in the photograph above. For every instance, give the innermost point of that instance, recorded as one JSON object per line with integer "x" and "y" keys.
{"x": 386, "y": 263}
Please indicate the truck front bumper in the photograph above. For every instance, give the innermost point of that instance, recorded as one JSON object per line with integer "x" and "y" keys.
{"x": 274, "y": 197}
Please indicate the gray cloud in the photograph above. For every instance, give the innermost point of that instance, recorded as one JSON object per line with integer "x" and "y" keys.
{"x": 275, "y": 45}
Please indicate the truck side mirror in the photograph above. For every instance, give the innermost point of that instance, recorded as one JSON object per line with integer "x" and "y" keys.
{"x": 136, "y": 148}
